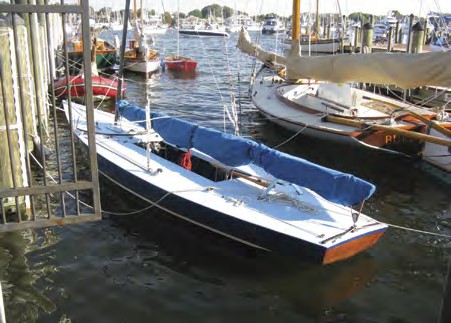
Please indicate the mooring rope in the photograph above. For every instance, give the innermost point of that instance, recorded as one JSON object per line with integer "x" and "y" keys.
{"x": 418, "y": 231}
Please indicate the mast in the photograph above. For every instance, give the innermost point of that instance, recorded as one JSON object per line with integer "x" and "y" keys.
{"x": 178, "y": 29}
{"x": 142, "y": 17}
{"x": 134, "y": 11}
{"x": 317, "y": 20}
{"x": 296, "y": 17}
{"x": 121, "y": 55}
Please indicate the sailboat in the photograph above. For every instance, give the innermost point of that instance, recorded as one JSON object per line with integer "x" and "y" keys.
{"x": 313, "y": 96}
{"x": 139, "y": 58}
{"x": 177, "y": 62}
{"x": 232, "y": 186}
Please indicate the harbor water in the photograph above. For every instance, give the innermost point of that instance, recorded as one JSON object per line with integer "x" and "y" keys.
{"x": 151, "y": 267}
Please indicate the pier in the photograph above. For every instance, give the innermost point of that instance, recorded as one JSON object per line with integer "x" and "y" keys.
{"x": 30, "y": 134}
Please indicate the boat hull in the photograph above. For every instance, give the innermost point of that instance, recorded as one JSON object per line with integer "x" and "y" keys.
{"x": 102, "y": 87}
{"x": 203, "y": 33}
{"x": 181, "y": 65}
{"x": 240, "y": 231}
{"x": 141, "y": 66}
{"x": 189, "y": 196}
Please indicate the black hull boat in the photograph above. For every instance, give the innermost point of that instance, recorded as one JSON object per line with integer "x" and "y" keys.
{"x": 241, "y": 190}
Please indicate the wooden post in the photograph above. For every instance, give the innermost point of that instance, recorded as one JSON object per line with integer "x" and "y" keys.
{"x": 417, "y": 38}
{"x": 390, "y": 39}
{"x": 399, "y": 34}
{"x": 367, "y": 41}
{"x": 396, "y": 33}
{"x": 11, "y": 156}
{"x": 356, "y": 37}
{"x": 409, "y": 35}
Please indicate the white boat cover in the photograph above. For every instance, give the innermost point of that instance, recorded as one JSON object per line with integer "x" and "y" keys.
{"x": 403, "y": 70}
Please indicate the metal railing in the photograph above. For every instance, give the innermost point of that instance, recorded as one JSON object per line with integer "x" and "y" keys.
{"x": 44, "y": 178}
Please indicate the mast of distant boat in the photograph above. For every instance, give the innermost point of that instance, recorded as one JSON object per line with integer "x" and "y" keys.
{"x": 296, "y": 25}
{"x": 178, "y": 29}
{"x": 121, "y": 56}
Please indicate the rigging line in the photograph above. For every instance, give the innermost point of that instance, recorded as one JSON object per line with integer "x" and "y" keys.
{"x": 296, "y": 134}
{"x": 211, "y": 68}
{"x": 418, "y": 231}
{"x": 420, "y": 103}
{"x": 151, "y": 205}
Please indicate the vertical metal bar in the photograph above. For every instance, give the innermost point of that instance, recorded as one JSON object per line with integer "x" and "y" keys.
{"x": 2, "y": 207}
{"x": 39, "y": 109}
{"x": 90, "y": 107}
{"x": 55, "y": 120}
{"x": 23, "y": 112}
{"x": 121, "y": 57}
{"x": 8, "y": 137}
{"x": 445, "y": 313}
{"x": 2, "y": 306}
{"x": 69, "y": 102}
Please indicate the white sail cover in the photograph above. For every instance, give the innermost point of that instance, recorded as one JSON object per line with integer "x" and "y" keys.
{"x": 403, "y": 70}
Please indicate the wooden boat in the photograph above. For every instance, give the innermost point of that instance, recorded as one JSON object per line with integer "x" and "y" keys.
{"x": 106, "y": 55}
{"x": 102, "y": 87}
{"x": 232, "y": 186}
{"x": 141, "y": 60}
{"x": 332, "y": 109}
{"x": 180, "y": 63}
{"x": 139, "y": 57}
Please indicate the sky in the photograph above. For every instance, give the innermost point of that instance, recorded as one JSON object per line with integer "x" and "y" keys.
{"x": 283, "y": 7}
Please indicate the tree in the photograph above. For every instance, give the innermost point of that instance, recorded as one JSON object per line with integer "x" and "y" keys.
{"x": 227, "y": 12}
{"x": 195, "y": 13}
{"x": 167, "y": 18}
{"x": 397, "y": 15}
{"x": 213, "y": 10}
{"x": 360, "y": 16}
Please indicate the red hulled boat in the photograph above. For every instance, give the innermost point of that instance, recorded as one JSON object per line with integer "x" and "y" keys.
{"x": 102, "y": 87}
{"x": 180, "y": 63}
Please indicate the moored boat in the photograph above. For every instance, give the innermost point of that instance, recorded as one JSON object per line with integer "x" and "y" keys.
{"x": 233, "y": 186}
{"x": 102, "y": 87}
{"x": 313, "y": 96}
{"x": 180, "y": 63}
{"x": 142, "y": 60}
{"x": 209, "y": 30}
{"x": 106, "y": 55}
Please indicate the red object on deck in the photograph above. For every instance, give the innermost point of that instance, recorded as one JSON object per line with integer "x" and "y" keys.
{"x": 101, "y": 86}
{"x": 179, "y": 63}
{"x": 185, "y": 160}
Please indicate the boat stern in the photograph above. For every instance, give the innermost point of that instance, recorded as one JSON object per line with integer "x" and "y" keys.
{"x": 351, "y": 247}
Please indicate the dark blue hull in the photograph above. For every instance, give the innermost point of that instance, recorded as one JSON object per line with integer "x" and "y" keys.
{"x": 238, "y": 230}
{"x": 203, "y": 33}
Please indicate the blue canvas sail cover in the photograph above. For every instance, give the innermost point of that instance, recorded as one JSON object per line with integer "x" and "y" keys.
{"x": 235, "y": 151}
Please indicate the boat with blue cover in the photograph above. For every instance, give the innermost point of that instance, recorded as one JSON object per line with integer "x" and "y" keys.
{"x": 230, "y": 185}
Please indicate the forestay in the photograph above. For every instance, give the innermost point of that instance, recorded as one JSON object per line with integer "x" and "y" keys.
{"x": 235, "y": 151}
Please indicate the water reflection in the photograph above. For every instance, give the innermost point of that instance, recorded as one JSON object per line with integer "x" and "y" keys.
{"x": 22, "y": 294}
{"x": 201, "y": 256}
{"x": 182, "y": 75}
